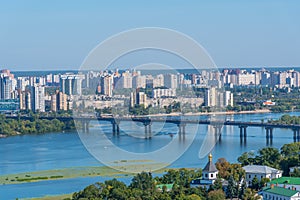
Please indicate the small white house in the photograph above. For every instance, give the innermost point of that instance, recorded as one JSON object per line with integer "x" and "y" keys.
{"x": 261, "y": 171}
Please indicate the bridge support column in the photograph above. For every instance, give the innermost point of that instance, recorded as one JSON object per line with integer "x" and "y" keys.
{"x": 115, "y": 127}
{"x": 296, "y": 135}
{"x": 243, "y": 131}
{"x": 118, "y": 129}
{"x": 218, "y": 131}
{"x": 85, "y": 125}
{"x": 148, "y": 132}
{"x": 269, "y": 135}
{"x": 181, "y": 128}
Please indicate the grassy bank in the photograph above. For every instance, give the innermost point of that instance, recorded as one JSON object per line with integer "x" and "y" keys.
{"x": 54, "y": 197}
{"x": 75, "y": 172}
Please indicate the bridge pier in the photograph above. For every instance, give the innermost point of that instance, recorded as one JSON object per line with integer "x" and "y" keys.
{"x": 243, "y": 131}
{"x": 85, "y": 125}
{"x": 115, "y": 127}
{"x": 296, "y": 135}
{"x": 269, "y": 135}
{"x": 181, "y": 128}
{"x": 147, "y": 125}
{"x": 218, "y": 131}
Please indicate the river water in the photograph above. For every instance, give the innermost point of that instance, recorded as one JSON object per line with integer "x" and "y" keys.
{"x": 61, "y": 150}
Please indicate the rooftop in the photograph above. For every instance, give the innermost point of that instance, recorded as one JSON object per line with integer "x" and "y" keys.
{"x": 287, "y": 180}
{"x": 210, "y": 166}
{"x": 260, "y": 169}
{"x": 281, "y": 191}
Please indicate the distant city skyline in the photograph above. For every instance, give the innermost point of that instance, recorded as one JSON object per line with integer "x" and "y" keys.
{"x": 173, "y": 70}
{"x": 53, "y": 35}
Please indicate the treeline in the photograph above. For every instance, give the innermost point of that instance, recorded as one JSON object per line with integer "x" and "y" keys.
{"x": 19, "y": 126}
{"x": 144, "y": 186}
{"x": 287, "y": 119}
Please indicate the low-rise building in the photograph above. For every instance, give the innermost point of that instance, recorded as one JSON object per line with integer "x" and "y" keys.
{"x": 287, "y": 182}
{"x": 261, "y": 171}
{"x": 279, "y": 193}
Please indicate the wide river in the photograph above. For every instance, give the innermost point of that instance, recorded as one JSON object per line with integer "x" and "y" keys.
{"x": 29, "y": 153}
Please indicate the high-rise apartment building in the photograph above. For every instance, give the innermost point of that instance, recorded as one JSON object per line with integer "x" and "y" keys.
{"x": 71, "y": 84}
{"x": 218, "y": 98}
{"x": 7, "y": 84}
{"x": 138, "y": 98}
{"x": 59, "y": 101}
{"x": 107, "y": 85}
{"x": 139, "y": 81}
{"x": 38, "y": 98}
{"x": 170, "y": 81}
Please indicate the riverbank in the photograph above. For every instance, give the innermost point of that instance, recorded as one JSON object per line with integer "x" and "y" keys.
{"x": 9, "y": 126}
{"x": 54, "y": 197}
{"x": 75, "y": 172}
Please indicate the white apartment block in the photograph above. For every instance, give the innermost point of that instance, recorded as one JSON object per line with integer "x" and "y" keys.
{"x": 158, "y": 93}
{"x": 246, "y": 79}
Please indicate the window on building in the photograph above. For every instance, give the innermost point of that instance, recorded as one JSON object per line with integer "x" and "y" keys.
{"x": 206, "y": 175}
{"x": 211, "y": 175}
{"x": 249, "y": 176}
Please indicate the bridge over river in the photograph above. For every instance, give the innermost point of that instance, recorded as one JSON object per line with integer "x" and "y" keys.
{"x": 180, "y": 121}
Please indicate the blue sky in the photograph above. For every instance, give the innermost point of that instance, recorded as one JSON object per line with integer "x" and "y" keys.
{"x": 44, "y": 35}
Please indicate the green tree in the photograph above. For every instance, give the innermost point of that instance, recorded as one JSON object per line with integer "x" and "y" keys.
{"x": 143, "y": 181}
{"x": 216, "y": 195}
{"x": 255, "y": 184}
{"x": 250, "y": 195}
{"x": 268, "y": 156}
{"x": 291, "y": 150}
{"x": 231, "y": 190}
{"x": 242, "y": 189}
{"x": 263, "y": 182}
{"x": 247, "y": 158}
{"x": 217, "y": 184}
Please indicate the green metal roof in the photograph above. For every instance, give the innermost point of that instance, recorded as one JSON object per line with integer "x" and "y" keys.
{"x": 168, "y": 186}
{"x": 286, "y": 180}
{"x": 281, "y": 191}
